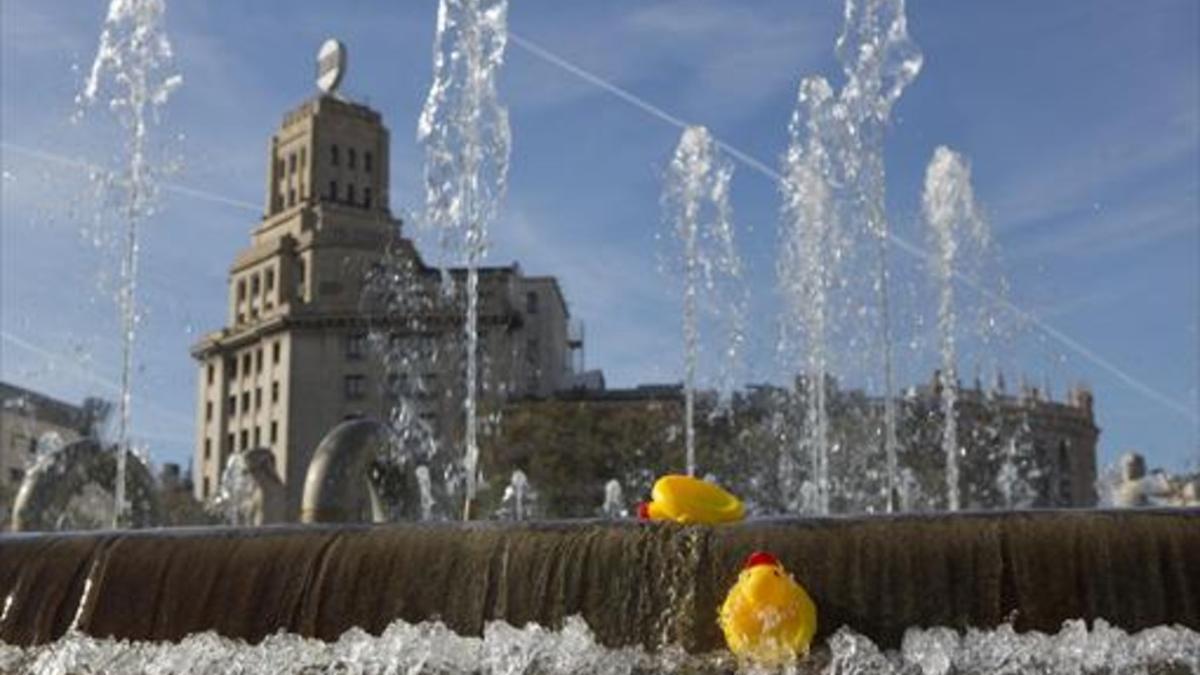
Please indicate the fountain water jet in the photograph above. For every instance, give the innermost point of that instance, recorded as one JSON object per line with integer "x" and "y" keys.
{"x": 879, "y": 61}
{"x": 950, "y": 209}
{"x": 136, "y": 54}
{"x": 519, "y": 500}
{"x": 399, "y": 301}
{"x": 835, "y": 160}
{"x": 466, "y": 135}
{"x": 696, "y": 198}
{"x": 614, "y": 500}
{"x": 250, "y": 491}
{"x": 425, "y": 492}
{"x": 61, "y": 489}
{"x": 810, "y": 250}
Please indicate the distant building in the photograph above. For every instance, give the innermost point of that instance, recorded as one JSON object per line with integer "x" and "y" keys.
{"x": 1058, "y": 439}
{"x": 1046, "y": 447}
{"x": 28, "y": 418}
{"x": 301, "y": 350}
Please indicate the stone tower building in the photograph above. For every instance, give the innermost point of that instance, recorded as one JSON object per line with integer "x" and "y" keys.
{"x": 298, "y": 354}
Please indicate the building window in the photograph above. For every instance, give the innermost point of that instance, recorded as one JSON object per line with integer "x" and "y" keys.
{"x": 350, "y": 157}
{"x": 531, "y": 303}
{"x": 246, "y": 364}
{"x": 270, "y": 279}
{"x": 257, "y": 398}
{"x": 274, "y": 432}
{"x": 241, "y": 290}
{"x": 274, "y": 392}
{"x": 204, "y": 490}
{"x": 231, "y": 405}
{"x": 211, "y": 373}
{"x": 229, "y": 442}
{"x": 207, "y": 449}
{"x": 356, "y": 345}
{"x": 367, "y": 162}
{"x": 208, "y": 411}
{"x": 254, "y": 286}
{"x": 350, "y": 193}
{"x": 258, "y": 360}
{"x": 333, "y": 193}
{"x": 257, "y": 436}
{"x": 356, "y": 387}
{"x": 300, "y": 279}
{"x": 333, "y": 155}
{"x": 367, "y": 197}
{"x": 292, "y": 163}
{"x": 291, "y": 196}
{"x": 245, "y": 402}
{"x": 275, "y": 352}
{"x": 245, "y": 439}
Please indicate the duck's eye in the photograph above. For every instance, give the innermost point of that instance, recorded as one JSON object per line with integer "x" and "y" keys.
{"x": 776, "y": 572}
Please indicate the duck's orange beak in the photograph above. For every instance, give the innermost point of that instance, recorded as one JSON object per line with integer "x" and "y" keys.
{"x": 643, "y": 510}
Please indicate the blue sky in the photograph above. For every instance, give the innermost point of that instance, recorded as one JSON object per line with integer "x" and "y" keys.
{"x": 1081, "y": 122}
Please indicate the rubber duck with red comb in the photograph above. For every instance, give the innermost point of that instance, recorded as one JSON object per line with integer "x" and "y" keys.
{"x": 767, "y": 617}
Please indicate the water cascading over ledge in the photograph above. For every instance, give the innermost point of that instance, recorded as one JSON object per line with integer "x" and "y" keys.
{"x": 633, "y": 583}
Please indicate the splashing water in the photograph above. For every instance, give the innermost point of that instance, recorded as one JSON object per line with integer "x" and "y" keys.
{"x": 1019, "y": 468}
{"x": 834, "y": 196}
{"x": 614, "y": 501}
{"x": 399, "y": 301}
{"x": 809, "y": 253}
{"x": 952, "y": 214}
{"x": 879, "y": 61}
{"x": 425, "y": 492}
{"x": 465, "y": 131}
{"x": 132, "y": 72}
{"x": 519, "y": 500}
{"x": 696, "y": 197}
{"x": 234, "y": 499}
{"x": 504, "y": 649}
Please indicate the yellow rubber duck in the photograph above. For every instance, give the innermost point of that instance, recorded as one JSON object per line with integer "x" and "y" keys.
{"x": 767, "y": 617}
{"x": 688, "y": 500}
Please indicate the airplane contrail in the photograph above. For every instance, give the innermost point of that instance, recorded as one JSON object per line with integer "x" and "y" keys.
{"x": 166, "y": 185}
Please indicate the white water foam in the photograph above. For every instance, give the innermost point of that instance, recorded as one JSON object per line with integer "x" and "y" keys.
{"x": 431, "y": 647}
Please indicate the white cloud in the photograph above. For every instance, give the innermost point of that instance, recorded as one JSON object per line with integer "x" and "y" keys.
{"x": 1075, "y": 173}
{"x": 1135, "y": 222}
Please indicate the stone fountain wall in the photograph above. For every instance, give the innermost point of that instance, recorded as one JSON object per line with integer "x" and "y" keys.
{"x": 633, "y": 583}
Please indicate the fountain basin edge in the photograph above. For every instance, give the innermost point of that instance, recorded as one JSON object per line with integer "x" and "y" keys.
{"x": 634, "y": 583}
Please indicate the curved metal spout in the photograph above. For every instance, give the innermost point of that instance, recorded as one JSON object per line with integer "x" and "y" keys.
{"x": 46, "y": 493}
{"x": 337, "y": 487}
